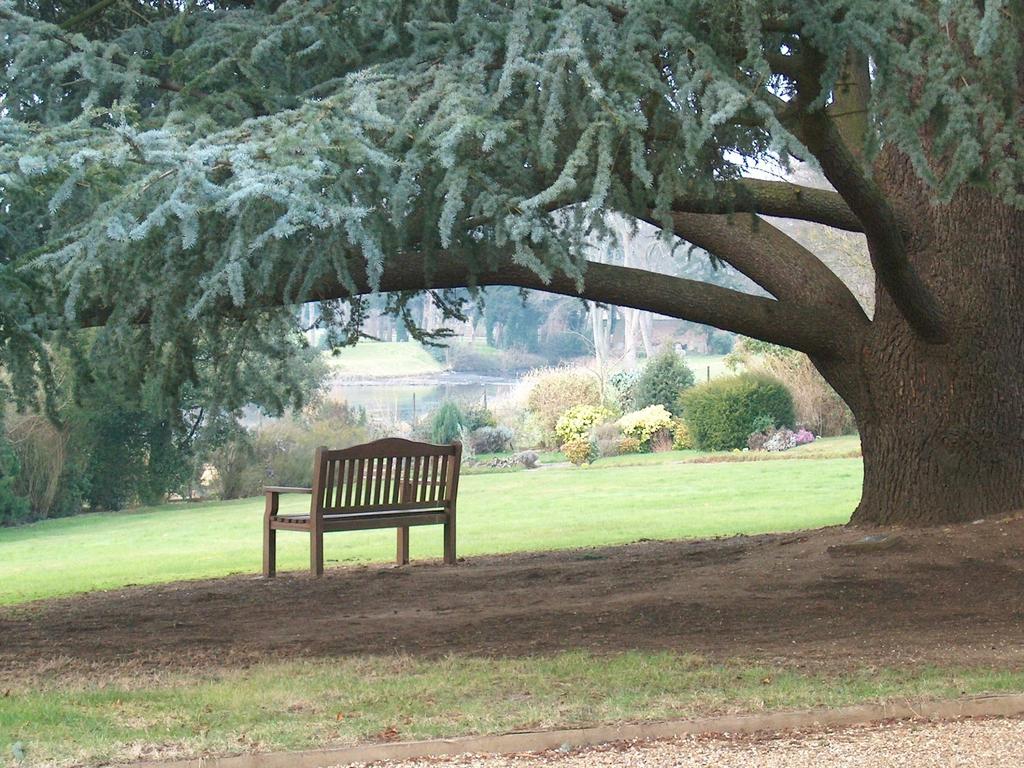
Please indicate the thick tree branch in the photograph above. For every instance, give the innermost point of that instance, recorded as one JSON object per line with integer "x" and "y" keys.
{"x": 762, "y": 318}
{"x": 881, "y": 226}
{"x": 693, "y": 300}
{"x": 773, "y": 260}
{"x": 819, "y": 133}
{"x": 81, "y": 18}
{"x": 775, "y": 198}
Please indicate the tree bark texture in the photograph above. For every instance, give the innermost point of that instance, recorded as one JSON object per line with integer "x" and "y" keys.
{"x": 942, "y": 425}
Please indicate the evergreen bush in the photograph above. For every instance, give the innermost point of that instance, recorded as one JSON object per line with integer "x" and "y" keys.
{"x": 447, "y": 423}
{"x": 662, "y": 381}
{"x": 721, "y": 414}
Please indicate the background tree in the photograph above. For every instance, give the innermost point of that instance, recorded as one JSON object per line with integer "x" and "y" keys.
{"x": 175, "y": 163}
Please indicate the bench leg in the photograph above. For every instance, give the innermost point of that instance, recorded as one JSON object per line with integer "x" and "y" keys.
{"x": 402, "y": 556}
{"x": 269, "y": 551}
{"x": 316, "y": 553}
{"x": 449, "y": 541}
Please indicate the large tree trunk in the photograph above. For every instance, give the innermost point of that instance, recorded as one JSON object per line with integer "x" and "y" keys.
{"x": 942, "y": 426}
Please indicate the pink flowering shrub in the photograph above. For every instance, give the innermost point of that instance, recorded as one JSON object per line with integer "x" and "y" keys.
{"x": 803, "y": 436}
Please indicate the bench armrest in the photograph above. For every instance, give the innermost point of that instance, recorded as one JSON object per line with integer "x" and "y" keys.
{"x": 285, "y": 489}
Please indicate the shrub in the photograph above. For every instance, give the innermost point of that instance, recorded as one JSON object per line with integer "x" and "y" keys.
{"x": 580, "y": 451}
{"x": 643, "y": 424}
{"x": 721, "y": 342}
{"x": 757, "y": 440}
{"x": 565, "y": 345}
{"x": 528, "y": 459}
{"x": 815, "y": 403}
{"x": 447, "y": 423}
{"x": 478, "y": 416}
{"x": 630, "y": 445}
{"x": 13, "y": 508}
{"x": 608, "y": 436}
{"x": 554, "y": 391}
{"x": 48, "y": 476}
{"x": 490, "y": 440}
{"x": 578, "y": 422}
{"x": 624, "y": 384}
{"x": 661, "y": 441}
{"x": 487, "y": 361}
{"x": 663, "y": 379}
{"x": 682, "y": 440}
{"x": 764, "y": 423}
{"x": 781, "y": 439}
{"x": 235, "y": 471}
{"x": 281, "y": 452}
{"x": 803, "y": 436}
{"x": 721, "y": 413}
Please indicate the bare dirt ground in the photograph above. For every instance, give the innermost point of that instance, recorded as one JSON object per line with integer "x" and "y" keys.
{"x": 818, "y": 600}
{"x": 974, "y": 743}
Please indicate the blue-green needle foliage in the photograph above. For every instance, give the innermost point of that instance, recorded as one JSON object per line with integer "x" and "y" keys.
{"x": 172, "y": 161}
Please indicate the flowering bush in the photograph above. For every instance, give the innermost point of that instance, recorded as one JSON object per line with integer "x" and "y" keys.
{"x": 781, "y": 439}
{"x": 578, "y": 422}
{"x": 644, "y": 423}
{"x": 554, "y": 391}
{"x": 580, "y": 451}
{"x": 682, "y": 440}
{"x": 756, "y": 441}
{"x": 630, "y": 445}
{"x": 803, "y": 436}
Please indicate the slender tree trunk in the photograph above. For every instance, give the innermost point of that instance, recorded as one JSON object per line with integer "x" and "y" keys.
{"x": 600, "y": 329}
{"x": 646, "y": 321}
{"x": 629, "y": 334}
{"x": 942, "y": 426}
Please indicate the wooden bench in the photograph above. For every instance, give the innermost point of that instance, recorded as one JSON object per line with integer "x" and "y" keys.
{"x": 390, "y": 483}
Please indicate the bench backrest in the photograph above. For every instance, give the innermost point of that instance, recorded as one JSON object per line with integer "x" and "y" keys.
{"x": 388, "y": 474}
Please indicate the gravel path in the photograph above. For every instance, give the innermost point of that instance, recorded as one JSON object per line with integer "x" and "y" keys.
{"x": 974, "y": 743}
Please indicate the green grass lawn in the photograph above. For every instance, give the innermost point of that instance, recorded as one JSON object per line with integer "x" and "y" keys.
{"x": 376, "y": 359}
{"x": 505, "y": 512}
{"x": 700, "y": 365}
{"x": 292, "y": 705}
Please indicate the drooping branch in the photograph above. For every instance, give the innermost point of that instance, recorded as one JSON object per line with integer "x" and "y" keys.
{"x": 120, "y": 57}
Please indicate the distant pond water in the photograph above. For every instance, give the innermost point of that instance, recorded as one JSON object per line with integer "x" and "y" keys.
{"x": 409, "y": 398}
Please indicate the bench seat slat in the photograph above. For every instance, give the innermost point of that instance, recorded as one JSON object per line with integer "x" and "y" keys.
{"x": 407, "y": 506}
{"x": 363, "y": 521}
